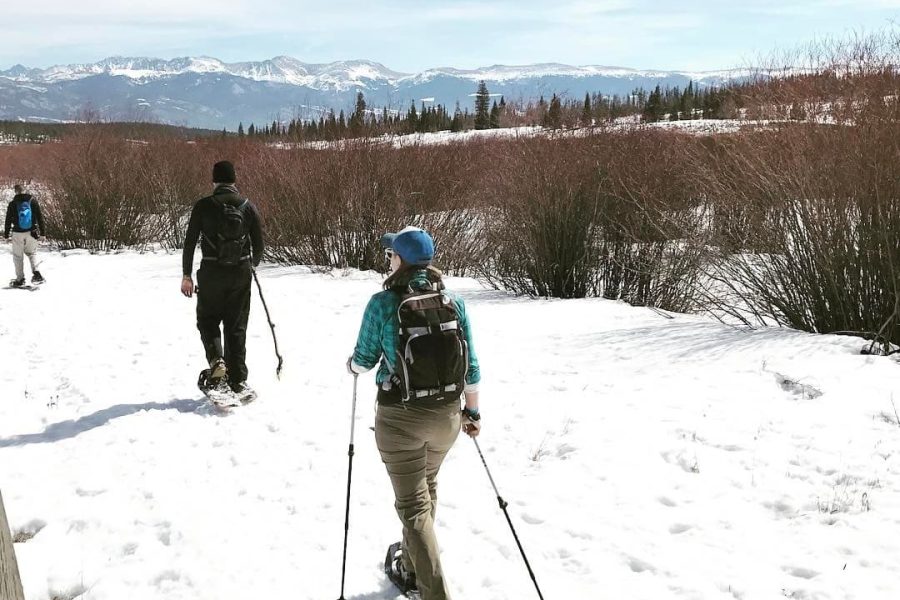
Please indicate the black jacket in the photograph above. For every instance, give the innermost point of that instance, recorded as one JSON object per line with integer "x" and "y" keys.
{"x": 12, "y": 216}
{"x": 204, "y": 226}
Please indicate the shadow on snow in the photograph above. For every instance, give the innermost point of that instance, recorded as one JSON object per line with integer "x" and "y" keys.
{"x": 73, "y": 427}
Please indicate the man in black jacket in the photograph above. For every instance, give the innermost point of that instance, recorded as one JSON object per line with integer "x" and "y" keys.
{"x": 230, "y": 235}
{"x": 24, "y": 218}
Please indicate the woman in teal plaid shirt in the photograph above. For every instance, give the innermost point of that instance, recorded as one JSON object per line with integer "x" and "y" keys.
{"x": 414, "y": 435}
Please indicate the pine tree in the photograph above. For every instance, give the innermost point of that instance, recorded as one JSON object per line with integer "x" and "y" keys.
{"x": 482, "y": 107}
{"x": 653, "y": 109}
{"x": 495, "y": 116}
{"x": 587, "y": 118}
{"x": 240, "y": 130}
{"x": 358, "y": 118}
{"x": 553, "y": 118}
{"x": 542, "y": 110}
{"x": 412, "y": 118}
{"x": 457, "y": 123}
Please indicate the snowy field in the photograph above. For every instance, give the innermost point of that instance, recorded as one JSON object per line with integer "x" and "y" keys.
{"x": 643, "y": 457}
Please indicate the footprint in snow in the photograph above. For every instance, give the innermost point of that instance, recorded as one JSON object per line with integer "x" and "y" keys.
{"x": 564, "y": 450}
{"x": 800, "y": 572}
{"x": 680, "y": 528}
{"x": 639, "y": 566}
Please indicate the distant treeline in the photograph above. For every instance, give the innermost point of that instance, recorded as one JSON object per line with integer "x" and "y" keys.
{"x": 556, "y": 112}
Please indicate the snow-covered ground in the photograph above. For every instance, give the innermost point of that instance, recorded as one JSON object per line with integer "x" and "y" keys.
{"x": 643, "y": 457}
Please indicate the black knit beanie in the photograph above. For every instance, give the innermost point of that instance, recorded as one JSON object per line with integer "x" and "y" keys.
{"x": 223, "y": 172}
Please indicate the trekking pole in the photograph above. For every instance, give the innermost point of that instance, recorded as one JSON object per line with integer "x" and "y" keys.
{"x": 349, "y": 477}
{"x": 271, "y": 325}
{"x": 503, "y": 504}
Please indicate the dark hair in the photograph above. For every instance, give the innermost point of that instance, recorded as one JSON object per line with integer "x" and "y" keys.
{"x": 18, "y": 188}
{"x": 403, "y": 275}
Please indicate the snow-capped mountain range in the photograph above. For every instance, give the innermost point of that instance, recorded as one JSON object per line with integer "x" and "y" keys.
{"x": 206, "y": 92}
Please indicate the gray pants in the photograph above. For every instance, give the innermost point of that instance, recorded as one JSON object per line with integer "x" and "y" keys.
{"x": 413, "y": 442}
{"x": 22, "y": 244}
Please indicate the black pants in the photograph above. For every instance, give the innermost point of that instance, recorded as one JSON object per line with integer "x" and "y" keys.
{"x": 223, "y": 297}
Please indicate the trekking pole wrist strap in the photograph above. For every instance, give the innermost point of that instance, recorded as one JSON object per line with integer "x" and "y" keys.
{"x": 472, "y": 414}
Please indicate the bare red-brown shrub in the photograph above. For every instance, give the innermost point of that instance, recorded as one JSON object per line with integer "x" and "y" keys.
{"x": 806, "y": 215}
{"x": 608, "y": 214}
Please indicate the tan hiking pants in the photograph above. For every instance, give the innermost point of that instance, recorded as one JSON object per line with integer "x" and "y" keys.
{"x": 22, "y": 244}
{"x": 413, "y": 442}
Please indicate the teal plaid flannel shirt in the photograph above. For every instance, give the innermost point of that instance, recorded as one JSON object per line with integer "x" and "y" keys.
{"x": 378, "y": 337}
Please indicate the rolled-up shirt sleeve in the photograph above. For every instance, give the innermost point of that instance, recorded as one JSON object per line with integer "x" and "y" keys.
{"x": 473, "y": 375}
{"x": 368, "y": 349}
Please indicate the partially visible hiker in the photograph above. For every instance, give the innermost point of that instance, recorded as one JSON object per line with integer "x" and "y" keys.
{"x": 228, "y": 228}
{"x": 24, "y": 218}
{"x": 420, "y": 335}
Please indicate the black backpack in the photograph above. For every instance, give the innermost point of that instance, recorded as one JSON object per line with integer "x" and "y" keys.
{"x": 231, "y": 235}
{"x": 433, "y": 357}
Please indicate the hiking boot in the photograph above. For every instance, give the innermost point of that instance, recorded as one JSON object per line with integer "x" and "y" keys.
{"x": 217, "y": 371}
{"x": 398, "y": 574}
{"x": 16, "y": 283}
{"x": 36, "y": 277}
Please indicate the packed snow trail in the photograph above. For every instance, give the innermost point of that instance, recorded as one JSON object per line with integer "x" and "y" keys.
{"x": 642, "y": 457}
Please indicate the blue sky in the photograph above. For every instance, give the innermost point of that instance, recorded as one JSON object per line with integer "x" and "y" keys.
{"x": 413, "y": 36}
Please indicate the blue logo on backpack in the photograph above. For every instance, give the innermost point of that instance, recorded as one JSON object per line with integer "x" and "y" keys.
{"x": 25, "y": 215}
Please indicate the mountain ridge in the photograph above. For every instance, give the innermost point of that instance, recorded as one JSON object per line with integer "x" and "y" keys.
{"x": 203, "y": 91}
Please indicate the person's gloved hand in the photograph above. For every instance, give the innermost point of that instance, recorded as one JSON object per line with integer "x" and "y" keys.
{"x": 471, "y": 422}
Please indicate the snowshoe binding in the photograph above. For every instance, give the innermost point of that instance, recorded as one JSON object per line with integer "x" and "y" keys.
{"x": 217, "y": 390}
{"x": 399, "y": 576}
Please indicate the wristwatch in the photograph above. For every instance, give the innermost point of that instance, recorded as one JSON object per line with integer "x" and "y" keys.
{"x": 472, "y": 415}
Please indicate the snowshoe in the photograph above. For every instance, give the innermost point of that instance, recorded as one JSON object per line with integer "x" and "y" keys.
{"x": 244, "y": 392}
{"x": 37, "y": 278}
{"x": 218, "y": 391}
{"x": 400, "y": 577}
{"x": 19, "y": 284}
